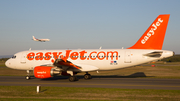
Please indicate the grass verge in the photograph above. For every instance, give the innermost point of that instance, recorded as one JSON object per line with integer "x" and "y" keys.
{"x": 28, "y": 93}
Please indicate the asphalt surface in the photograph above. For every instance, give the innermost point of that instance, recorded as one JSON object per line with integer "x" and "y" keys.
{"x": 99, "y": 82}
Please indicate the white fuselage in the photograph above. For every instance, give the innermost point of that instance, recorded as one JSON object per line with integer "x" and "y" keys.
{"x": 103, "y": 59}
{"x": 42, "y": 40}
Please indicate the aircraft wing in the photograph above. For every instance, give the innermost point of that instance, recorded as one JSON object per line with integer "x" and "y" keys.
{"x": 61, "y": 62}
{"x": 40, "y": 40}
{"x": 81, "y": 67}
{"x": 87, "y": 68}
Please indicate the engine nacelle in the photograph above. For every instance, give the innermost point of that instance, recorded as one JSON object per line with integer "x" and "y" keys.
{"x": 43, "y": 72}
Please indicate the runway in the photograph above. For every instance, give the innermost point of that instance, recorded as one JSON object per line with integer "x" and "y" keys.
{"x": 99, "y": 82}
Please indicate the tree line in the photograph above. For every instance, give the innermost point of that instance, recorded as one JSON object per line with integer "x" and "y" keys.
{"x": 175, "y": 58}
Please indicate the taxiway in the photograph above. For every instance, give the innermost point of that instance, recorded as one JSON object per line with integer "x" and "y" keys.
{"x": 99, "y": 82}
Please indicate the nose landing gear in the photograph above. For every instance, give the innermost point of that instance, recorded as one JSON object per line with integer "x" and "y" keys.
{"x": 28, "y": 75}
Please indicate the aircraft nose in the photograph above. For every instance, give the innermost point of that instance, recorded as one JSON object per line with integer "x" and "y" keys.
{"x": 7, "y": 63}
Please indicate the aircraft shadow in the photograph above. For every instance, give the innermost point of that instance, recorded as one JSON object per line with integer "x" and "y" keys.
{"x": 135, "y": 75}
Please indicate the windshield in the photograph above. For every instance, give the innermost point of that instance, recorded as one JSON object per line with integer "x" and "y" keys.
{"x": 14, "y": 57}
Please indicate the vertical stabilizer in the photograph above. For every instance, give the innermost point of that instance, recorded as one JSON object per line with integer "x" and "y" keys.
{"x": 34, "y": 38}
{"x": 154, "y": 36}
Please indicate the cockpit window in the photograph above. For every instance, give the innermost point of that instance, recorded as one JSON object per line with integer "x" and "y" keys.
{"x": 14, "y": 57}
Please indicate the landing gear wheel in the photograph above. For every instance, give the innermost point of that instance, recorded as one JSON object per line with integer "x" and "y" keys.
{"x": 73, "y": 78}
{"x": 87, "y": 76}
{"x": 28, "y": 77}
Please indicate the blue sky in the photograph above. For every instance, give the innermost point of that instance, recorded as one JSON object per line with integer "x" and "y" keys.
{"x": 85, "y": 24}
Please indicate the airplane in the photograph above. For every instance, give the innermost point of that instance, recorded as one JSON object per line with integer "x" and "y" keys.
{"x": 50, "y": 63}
{"x": 41, "y": 40}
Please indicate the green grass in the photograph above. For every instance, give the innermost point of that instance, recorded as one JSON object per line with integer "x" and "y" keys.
{"x": 83, "y": 94}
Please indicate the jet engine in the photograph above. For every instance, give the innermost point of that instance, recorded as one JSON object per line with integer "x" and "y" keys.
{"x": 43, "y": 72}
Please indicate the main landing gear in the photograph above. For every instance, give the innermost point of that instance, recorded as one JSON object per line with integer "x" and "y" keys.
{"x": 87, "y": 76}
{"x": 73, "y": 78}
{"x": 28, "y": 75}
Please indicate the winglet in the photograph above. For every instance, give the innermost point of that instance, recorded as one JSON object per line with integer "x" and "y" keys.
{"x": 154, "y": 36}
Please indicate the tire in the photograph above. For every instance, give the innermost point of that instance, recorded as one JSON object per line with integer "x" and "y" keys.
{"x": 28, "y": 77}
{"x": 72, "y": 78}
{"x": 87, "y": 76}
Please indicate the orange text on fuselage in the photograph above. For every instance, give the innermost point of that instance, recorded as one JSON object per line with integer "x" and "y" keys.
{"x": 82, "y": 55}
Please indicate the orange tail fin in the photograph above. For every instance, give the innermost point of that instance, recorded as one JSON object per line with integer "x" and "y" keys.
{"x": 154, "y": 36}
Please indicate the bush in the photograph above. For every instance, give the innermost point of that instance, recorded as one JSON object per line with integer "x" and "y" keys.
{"x": 175, "y": 58}
{"x": 4, "y": 59}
